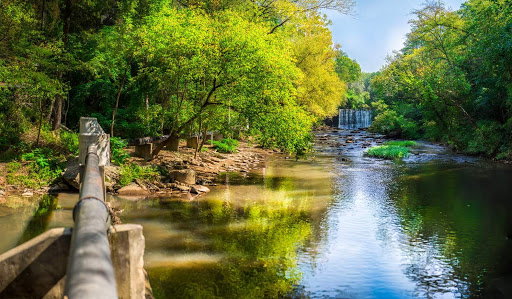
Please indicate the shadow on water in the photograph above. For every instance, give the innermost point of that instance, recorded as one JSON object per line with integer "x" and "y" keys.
{"x": 40, "y": 220}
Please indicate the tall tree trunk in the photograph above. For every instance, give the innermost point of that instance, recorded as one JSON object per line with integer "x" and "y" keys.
{"x": 200, "y": 147}
{"x": 42, "y": 14}
{"x": 67, "y": 21}
{"x": 57, "y": 113}
{"x": 40, "y": 121}
{"x": 118, "y": 95}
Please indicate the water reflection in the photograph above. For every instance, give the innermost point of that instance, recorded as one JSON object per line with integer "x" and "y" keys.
{"x": 241, "y": 241}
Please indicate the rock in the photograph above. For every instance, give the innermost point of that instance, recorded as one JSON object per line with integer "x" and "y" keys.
{"x": 112, "y": 174}
{"x": 141, "y": 184}
{"x": 59, "y": 187}
{"x": 132, "y": 189}
{"x": 182, "y": 188}
{"x": 28, "y": 194}
{"x": 199, "y": 189}
{"x": 71, "y": 173}
{"x": 160, "y": 185}
{"x": 2, "y": 192}
{"x": 187, "y": 176}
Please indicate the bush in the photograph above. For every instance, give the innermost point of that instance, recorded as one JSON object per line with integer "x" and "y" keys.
{"x": 385, "y": 122}
{"x": 388, "y": 152}
{"x": 69, "y": 142}
{"x": 130, "y": 171}
{"x": 226, "y": 145}
{"x": 118, "y": 153}
{"x": 41, "y": 166}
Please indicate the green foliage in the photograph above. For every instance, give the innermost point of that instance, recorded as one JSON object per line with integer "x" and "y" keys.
{"x": 401, "y": 143}
{"x": 166, "y": 67}
{"x": 226, "y": 145}
{"x": 451, "y": 81}
{"x": 118, "y": 154}
{"x": 388, "y": 151}
{"x": 130, "y": 171}
{"x": 37, "y": 168}
{"x": 69, "y": 142}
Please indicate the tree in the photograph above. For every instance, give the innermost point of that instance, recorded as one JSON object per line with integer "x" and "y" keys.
{"x": 197, "y": 63}
{"x": 319, "y": 90}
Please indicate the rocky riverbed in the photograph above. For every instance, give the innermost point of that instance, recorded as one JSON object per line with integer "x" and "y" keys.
{"x": 186, "y": 175}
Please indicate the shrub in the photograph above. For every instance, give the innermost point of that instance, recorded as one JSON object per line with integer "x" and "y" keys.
{"x": 130, "y": 171}
{"x": 69, "y": 142}
{"x": 118, "y": 153}
{"x": 226, "y": 145}
{"x": 385, "y": 122}
{"x": 40, "y": 168}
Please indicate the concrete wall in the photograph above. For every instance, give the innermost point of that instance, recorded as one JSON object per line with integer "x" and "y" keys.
{"x": 37, "y": 268}
{"x": 92, "y": 133}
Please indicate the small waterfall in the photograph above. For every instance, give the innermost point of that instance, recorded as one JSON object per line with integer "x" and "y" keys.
{"x": 354, "y": 119}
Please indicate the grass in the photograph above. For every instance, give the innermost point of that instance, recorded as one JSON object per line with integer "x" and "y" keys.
{"x": 391, "y": 149}
{"x": 388, "y": 152}
{"x": 226, "y": 145}
{"x": 402, "y": 143}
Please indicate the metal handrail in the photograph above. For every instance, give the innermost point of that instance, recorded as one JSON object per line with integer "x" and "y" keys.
{"x": 90, "y": 273}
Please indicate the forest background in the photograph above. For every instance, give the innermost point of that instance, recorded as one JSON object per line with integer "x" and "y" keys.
{"x": 265, "y": 70}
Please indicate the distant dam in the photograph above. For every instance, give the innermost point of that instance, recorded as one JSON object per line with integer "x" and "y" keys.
{"x": 354, "y": 119}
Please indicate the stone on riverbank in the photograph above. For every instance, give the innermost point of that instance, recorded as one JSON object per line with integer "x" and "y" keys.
{"x": 132, "y": 189}
{"x": 199, "y": 189}
{"x": 71, "y": 173}
{"x": 186, "y": 176}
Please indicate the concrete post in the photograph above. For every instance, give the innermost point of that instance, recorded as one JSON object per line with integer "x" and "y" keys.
{"x": 92, "y": 133}
{"x": 127, "y": 248}
{"x": 37, "y": 268}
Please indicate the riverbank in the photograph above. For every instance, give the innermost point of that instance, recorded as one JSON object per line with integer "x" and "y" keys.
{"x": 181, "y": 174}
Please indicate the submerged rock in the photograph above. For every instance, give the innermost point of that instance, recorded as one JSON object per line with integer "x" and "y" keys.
{"x": 199, "y": 189}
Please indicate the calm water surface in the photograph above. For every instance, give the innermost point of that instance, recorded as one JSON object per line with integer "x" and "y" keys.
{"x": 339, "y": 225}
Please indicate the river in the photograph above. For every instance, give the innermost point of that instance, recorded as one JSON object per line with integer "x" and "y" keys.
{"x": 338, "y": 225}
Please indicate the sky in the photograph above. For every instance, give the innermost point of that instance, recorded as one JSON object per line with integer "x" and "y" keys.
{"x": 377, "y": 28}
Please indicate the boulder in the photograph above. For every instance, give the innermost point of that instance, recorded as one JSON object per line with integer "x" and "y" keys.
{"x": 28, "y": 194}
{"x": 186, "y": 176}
{"x": 71, "y": 173}
{"x": 199, "y": 189}
{"x": 132, "y": 189}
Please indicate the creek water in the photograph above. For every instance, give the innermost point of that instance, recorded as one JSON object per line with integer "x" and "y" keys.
{"x": 338, "y": 225}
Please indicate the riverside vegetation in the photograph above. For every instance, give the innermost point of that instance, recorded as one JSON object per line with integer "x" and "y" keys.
{"x": 267, "y": 71}
{"x": 391, "y": 150}
{"x": 264, "y": 70}
{"x": 451, "y": 82}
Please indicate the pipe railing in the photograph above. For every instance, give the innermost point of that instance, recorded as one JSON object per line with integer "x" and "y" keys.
{"x": 90, "y": 273}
